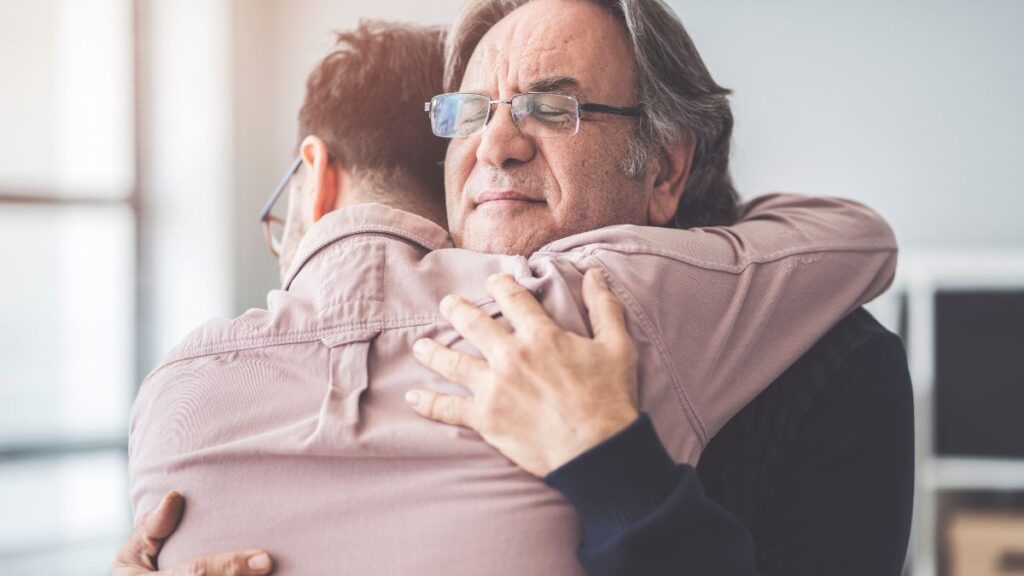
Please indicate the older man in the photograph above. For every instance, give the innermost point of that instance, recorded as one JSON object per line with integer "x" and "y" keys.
{"x": 823, "y": 486}
{"x": 510, "y": 182}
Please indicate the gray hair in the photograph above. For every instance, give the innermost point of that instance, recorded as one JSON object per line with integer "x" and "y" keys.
{"x": 678, "y": 96}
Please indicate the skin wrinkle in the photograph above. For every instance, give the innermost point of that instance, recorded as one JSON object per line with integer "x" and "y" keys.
{"x": 580, "y": 177}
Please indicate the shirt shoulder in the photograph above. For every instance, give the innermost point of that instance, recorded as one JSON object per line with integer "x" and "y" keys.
{"x": 287, "y": 318}
{"x": 770, "y": 228}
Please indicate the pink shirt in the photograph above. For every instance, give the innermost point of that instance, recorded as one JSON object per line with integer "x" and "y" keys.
{"x": 286, "y": 428}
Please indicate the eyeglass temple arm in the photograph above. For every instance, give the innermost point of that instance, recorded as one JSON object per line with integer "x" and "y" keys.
{"x": 583, "y": 108}
{"x": 280, "y": 188}
{"x": 610, "y": 109}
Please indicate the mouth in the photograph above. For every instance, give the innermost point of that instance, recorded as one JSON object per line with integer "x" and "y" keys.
{"x": 505, "y": 198}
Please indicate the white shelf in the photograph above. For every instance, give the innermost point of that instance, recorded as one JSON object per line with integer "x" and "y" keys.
{"x": 947, "y": 473}
{"x": 920, "y": 276}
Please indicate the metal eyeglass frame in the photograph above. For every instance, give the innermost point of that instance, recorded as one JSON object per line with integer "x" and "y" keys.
{"x": 266, "y": 218}
{"x": 580, "y": 107}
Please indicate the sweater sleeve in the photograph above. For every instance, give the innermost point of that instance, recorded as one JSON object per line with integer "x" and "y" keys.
{"x": 841, "y": 504}
{"x": 642, "y": 514}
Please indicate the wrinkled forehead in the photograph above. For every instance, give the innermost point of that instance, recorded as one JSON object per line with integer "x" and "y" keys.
{"x": 549, "y": 39}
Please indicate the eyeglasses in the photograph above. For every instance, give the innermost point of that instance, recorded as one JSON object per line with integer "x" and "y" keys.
{"x": 538, "y": 114}
{"x": 273, "y": 226}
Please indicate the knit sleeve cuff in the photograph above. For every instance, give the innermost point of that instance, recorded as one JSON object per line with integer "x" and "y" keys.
{"x": 618, "y": 482}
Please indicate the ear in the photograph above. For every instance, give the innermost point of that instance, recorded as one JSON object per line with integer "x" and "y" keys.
{"x": 323, "y": 174}
{"x": 673, "y": 168}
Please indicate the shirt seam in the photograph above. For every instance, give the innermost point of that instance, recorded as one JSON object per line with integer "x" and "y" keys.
{"x": 645, "y": 324}
{"x": 400, "y": 234}
{"x": 592, "y": 249}
{"x": 248, "y": 343}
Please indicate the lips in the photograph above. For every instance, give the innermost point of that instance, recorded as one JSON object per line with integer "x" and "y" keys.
{"x": 504, "y": 195}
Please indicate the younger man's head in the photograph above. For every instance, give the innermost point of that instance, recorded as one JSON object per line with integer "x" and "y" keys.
{"x": 363, "y": 134}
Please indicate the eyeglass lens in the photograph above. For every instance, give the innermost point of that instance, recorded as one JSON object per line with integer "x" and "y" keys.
{"x": 536, "y": 114}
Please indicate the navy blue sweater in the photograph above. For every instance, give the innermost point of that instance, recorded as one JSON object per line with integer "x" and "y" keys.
{"x": 815, "y": 476}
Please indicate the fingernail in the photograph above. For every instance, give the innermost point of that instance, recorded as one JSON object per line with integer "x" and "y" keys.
{"x": 599, "y": 277}
{"x": 259, "y": 562}
{"x": 447, "y": 302}
{"x": 167, "y": 500}
{"x": 412, "y": 398}
{"x": 420, "y": 347}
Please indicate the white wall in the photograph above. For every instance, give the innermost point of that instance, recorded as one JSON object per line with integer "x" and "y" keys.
{"x": 913, "y": 107}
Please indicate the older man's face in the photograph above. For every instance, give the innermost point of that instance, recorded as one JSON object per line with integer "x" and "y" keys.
{"x": 565, "y": 184}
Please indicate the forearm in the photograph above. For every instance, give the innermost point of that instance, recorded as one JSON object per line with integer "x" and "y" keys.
{"x": 731, "y": 308}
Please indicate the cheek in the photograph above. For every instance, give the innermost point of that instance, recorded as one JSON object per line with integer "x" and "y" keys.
{"x": 457, "y": 166}
{"x": 568, "y": 166}
{"x": 458, "y": 163}
{"x": 595, "y": 190}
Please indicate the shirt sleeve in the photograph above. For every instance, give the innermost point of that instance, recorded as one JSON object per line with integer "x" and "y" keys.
{"x": 730, "y": 308}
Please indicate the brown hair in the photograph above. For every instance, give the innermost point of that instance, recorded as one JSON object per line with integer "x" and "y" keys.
{"x": 678, "y": 96}
{"x": 365, "y": 101}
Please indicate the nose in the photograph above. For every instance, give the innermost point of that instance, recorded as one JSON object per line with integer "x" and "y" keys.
{"x": 502, "y": 144}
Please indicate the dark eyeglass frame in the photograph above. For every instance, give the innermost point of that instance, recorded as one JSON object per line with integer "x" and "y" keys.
{"x": 429, "y": 107}
{"x": 266, "y": 218}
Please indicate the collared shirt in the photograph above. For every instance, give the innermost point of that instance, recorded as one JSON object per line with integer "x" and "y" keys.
{"x": 286, "y": 427}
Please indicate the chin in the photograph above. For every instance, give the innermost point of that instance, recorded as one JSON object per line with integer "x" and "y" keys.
{"x": 517, "y": 235}
{"x": 499, "y": 246}
{"x": 490, "y": 242}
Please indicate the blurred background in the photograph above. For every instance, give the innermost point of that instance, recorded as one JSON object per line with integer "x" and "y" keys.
{"x": 139, "y": 138}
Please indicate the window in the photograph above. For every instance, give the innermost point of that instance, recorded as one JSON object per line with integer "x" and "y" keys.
{"x": 68, "y": 227}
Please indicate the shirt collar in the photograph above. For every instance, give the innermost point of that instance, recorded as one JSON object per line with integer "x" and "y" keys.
{"x": 366, "y": 219}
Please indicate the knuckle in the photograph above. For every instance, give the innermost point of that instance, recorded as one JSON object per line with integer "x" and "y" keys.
{"x": 515, "y": 354}
{"x": 540, "y": 333}
{"x": 627, "y": 353}
{"x": 485, "y": 427}
{"x": 488, "y": 420}
{"x": 458, "y": 366}
{"x": 493, "y": 412}
{"x": 474, "y": 318}
{"x": 441, "y": 366}
{"x": 429, "y": 404}
{"x": 233, "y": 567}
{"x": 450, "y": 411}
{"x": 197, "y": 567}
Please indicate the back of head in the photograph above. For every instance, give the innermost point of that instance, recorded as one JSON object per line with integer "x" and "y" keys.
{"x": 674, "y": 88}
{"x": 365, "y": 101}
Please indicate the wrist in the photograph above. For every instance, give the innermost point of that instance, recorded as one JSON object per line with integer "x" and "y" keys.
{"x": 619, "y": 481}
{"x": 583, "y": 441}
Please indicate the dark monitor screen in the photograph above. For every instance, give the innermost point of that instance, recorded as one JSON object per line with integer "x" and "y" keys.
{"x": 979, "y": 373}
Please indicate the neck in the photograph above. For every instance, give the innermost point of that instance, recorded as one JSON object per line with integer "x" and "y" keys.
{"x": 398, "y": 193}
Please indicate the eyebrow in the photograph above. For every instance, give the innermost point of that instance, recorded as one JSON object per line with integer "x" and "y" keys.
{"x": 554, "y": 84}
